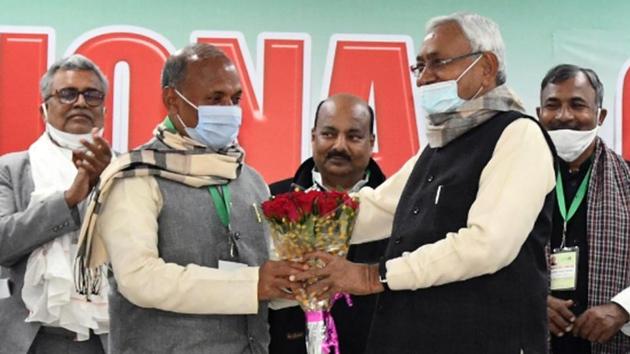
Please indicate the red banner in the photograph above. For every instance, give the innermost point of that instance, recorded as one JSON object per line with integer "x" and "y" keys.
{"x": 277, "y": 108}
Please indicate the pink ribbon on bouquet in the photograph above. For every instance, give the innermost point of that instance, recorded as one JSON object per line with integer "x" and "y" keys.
{"x": 332, "y": 338}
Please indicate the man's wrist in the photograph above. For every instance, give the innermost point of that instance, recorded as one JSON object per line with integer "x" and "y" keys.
{"x": 382, "y": 273}
{"x": 374, "y": 280}
{"x": 70, "y": 199}
{"x": 622, "y": 311}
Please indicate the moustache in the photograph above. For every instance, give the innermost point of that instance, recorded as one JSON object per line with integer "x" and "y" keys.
{"x": 80, "y": 112}
{"x": 571, "y": 124}
{"x": 563, "y": 125}
{"x": 340, "y": 154}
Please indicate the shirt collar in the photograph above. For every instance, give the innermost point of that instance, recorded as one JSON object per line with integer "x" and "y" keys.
{"x": 581, "y": 171}
{"x": 319, "y": 184}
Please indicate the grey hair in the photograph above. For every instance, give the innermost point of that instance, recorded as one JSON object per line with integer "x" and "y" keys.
{"x": 483, "y": 35}
{"x": 563, "y": 72}
{"x": 174, "y": 71}
{"x": 73, "y": 62}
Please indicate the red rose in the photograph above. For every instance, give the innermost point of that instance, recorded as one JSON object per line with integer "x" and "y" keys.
{"x": 305, "y": 200}
{"x": 350, "y": 202}
{"x": 294, "y": 206}
{"x": 270, "y": 208}
{"x": 327, "y": 203}
{"x": 278, "y": 207}
{"x": 291, "y": 210}
{"x": 337, "y": 195}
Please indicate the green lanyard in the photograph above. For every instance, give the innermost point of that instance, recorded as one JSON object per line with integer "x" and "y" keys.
{"x": 222, "y": 199}
{"x": 575, "y": 203}
{"x": 168, "y": 124}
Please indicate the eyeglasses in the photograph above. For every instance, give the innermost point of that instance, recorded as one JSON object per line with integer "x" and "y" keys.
{"x": 434, "y": 64}
{"x": 70, "y": 95}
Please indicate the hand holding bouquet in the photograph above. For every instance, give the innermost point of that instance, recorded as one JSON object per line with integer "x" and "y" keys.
{"x": 304, "y": 222}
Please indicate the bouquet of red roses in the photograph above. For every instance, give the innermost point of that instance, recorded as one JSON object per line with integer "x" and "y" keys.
{"x": 307, "y": 221}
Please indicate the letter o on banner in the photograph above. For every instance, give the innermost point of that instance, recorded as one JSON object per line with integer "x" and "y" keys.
{"x": 132, "y": 59}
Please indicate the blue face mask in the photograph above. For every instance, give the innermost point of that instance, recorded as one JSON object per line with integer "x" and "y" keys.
{"x": 442, "y": 97}
{"x": 217, "y": 126}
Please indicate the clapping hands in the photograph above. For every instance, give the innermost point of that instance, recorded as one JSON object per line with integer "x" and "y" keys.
{"x": 90, "y": 164}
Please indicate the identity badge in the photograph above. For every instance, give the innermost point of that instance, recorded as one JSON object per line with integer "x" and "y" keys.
{"x": 5, "y": 288}
{"x": 563, "y": 266}
{"x": 230, "y": 266}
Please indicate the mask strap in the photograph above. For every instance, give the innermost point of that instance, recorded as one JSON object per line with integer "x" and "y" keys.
{"x": 469, "y": 67}
{"x": 599, "y": 112}
{"x": 181, "y": 120}
{"x": 185, "y": 99}
{"x": 45, "y": 110}
{"x": 476, "y": 93}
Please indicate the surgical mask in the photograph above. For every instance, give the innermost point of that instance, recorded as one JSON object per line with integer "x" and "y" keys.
{"x": 442, "y": 97}
{"x": 67, "y": 140}
{"x": 570, "y": 144}
{"x": 217, "y": 126}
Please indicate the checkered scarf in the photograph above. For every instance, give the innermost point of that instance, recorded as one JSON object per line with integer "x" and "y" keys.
{"x": 183, "y": 160}
{"x": 608, "y": 232}
{"x": 442, "y": 128}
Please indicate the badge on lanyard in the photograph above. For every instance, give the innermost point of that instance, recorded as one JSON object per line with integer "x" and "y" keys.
{"x": 222, "y": 199}
{"x": 564, "y": 262}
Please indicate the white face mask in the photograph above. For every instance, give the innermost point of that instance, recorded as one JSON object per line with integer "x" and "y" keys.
{"x": 65, "y": 139}
{"x": 217, "y": 126}
{"x": 570, "y": 144}
{"x": 442, "y": 97}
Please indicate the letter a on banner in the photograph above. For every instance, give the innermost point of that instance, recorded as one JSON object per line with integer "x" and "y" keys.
{"x": 376, "y": 68}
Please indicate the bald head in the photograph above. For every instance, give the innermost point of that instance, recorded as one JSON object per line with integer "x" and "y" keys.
{"x": 348, "y": 101}
{"x": 342, "y": 140}
{"x": 176, "y": 65}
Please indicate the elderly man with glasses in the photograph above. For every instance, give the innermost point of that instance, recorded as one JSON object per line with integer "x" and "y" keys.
{"x": 42, "y": 191}
{"x": 469, "y": 216}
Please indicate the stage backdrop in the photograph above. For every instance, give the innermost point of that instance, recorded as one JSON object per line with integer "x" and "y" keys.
{"x": 291, "y": 54}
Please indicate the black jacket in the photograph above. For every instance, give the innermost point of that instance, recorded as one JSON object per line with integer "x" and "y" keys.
{"x": 499, "y": 313}
{"x": 287, "y": 326}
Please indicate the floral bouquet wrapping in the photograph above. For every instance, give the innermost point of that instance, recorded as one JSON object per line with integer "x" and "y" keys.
{"x": 303, "y": 222}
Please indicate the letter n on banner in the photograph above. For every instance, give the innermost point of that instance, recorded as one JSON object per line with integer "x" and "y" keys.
{"x": 132, "y": 59}
{"x": 275, "y": 99}
{"x": 622, "y": 111}
{"x": 376, "y": 68}
{"x": 25, "y": 53}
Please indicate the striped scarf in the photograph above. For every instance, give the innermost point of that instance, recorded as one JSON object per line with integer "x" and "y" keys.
{"x": 442, "y": 128}
{"x": 183, "y": 160}
{"x": 608, "y": 232}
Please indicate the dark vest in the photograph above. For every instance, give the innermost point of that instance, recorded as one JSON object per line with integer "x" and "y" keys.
{"x": 190, "y": 232}
{"x": 498, "y": 313}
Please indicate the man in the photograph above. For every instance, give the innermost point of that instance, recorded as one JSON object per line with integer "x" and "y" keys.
{"x": 588, "y": 306}
{"x": 179, "y": 220}
{"x": 342, "y": 140}
{"x": 465, "y": 267}
{"x": 41, "y": 201}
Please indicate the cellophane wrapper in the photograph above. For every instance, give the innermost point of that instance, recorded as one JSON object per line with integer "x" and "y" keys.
{"x": 306, "y": 231}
